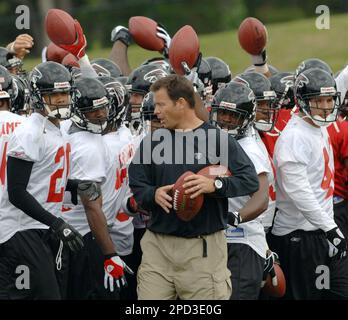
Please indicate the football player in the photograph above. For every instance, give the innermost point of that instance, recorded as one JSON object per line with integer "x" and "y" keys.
{"x": 99, "y": 265}
{"x": 233, "y": 110}
{"x": 37, "y": 174}
{"x": 304, "y": 233}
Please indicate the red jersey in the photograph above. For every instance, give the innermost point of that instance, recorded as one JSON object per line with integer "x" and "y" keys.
{"x": 270, "y": 138}
{"x": 338, "y": 133}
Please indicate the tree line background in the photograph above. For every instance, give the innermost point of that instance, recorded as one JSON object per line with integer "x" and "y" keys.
{"x": 98, "y": 17}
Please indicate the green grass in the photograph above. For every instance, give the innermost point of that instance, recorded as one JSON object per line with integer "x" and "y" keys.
{"x": 289, "y": 44}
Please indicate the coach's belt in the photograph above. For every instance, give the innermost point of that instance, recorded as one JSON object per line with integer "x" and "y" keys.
{"x": 337, "y": 199}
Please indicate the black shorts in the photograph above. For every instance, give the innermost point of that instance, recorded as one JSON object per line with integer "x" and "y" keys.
{"x": 339, "y": 268}
{"x": 300, "y": 254}
{"x": 27, "y": 253}
{"x": 86, "y": 273}
{"x": 246, "y": 268}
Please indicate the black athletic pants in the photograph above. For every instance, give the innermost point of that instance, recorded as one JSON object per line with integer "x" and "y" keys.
{"x": 301, "y": 254}
{"x": 28, "y": 253}
{"x": 246, "y": 268}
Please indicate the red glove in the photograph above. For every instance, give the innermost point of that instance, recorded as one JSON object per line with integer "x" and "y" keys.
{"x": 78, "y": 47}
{"x": 115, "y": 268}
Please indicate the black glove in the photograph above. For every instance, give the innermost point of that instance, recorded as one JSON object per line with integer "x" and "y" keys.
{"x": 337, "y": 243}
{"x": 268, "y": 268}
{"x": 122, "y": 34}
{"x": 65, "y": 232}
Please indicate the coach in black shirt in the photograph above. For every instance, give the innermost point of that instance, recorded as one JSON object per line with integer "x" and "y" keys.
{"x": 186, "y": 259}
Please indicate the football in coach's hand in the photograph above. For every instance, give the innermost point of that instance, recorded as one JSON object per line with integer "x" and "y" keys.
{"x": 279, "y": 290}
{"x": 215, "y": 170}
{"x": 252, "y": 35}
{"x": 184, "y": 47}
{"x": 60, "y": 27}
{"x": 143, "y": 31}
{"x": 185, "y": 207}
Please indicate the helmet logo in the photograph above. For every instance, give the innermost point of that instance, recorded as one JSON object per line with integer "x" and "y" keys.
{"x": 302, "y": 80}
{"x": 154, "y": 75}
{"x": 101, "y": 71}
{"x": 287, "y": 81}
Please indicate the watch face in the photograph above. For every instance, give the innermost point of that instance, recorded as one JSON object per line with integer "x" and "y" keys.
{"x": 218, "y": 184}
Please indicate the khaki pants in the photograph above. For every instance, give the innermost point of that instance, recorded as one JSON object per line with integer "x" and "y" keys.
{"x": 174, "y": 267}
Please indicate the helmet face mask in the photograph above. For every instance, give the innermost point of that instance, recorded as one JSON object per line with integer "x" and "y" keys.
{"x": 234, "y": 121}
{"x": 267, "y": 111}
{"x": 148, "y": 117}
{"x": 50, "y": 83}
{"x": 91, "y": 109}
{"x": 317, "y": 97}
{"x": 233, "y": 109}
{"x": 119, "y": 99}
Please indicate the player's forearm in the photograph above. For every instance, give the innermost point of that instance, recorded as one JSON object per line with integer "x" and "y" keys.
{"x": 86, "y": 68}
{"x": 97, "y": 223}
{"x": 18, "y": 175}
{"x": 297, "y": 187}
{"x": 119, "y": 55}
{"x": 258, "y": 202}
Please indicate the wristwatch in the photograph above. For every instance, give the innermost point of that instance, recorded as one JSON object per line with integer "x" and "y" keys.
{"x": 218, "y": 183}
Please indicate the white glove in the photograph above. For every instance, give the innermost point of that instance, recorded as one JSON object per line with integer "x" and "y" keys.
{"x": 163, "y": 34}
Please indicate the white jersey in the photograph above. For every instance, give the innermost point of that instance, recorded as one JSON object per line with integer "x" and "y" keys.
{"x": 39, "y": 141}
{"x": 267, "y": 216}
{"x": 251, "y": 233}
{"x": 8, "y": 123}
{"x": 304, "y": 179}
{"x": 116, "y": 190}
{"x": 88, "y": 156}
{"x": 139, "y": 221}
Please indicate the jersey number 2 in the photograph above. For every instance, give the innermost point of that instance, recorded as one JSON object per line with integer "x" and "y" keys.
{"x": 54, "y": 196}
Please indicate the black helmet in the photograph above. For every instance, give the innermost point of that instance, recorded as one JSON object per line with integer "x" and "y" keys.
{"x": 159, "y": 62}
{"x": 283, "y": 85}
{"x": 220, "y": 72}
{"x": 7, "y": 87}
{"x": 313, "y": 83}
{"x": 90, "y": 96}
{"x": 204, "y": 72}
{"x": 106, "y": 67}
{"x": 141, "y": 79}
{"x": 21, "y": 99}
{"x": 119, "y": 99}
{"x": 8, "y": 59}
{"x": 147, "y": 111}
{"x": 48, "y": 78}
{"x": 236, "y": 99}
{"x": 313, "y": 63}
{"x": 261, "y": 86}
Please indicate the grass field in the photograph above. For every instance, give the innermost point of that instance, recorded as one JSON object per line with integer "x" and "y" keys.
{"x": 289, "y": 44}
